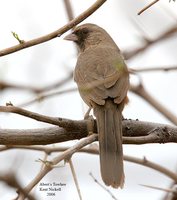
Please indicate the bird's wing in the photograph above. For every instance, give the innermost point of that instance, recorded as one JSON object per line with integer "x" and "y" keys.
{"x": 101, "y": 73}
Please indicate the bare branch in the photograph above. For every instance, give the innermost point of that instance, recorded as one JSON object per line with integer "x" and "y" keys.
{"x": 4, "y": 85}
{"x": 58, "y": 83}
{"x": 75, "y": 178}
{"x": 173, "y": 195}
{"x": 69, "y": 9}
{"x": 142, "y": 92}
{"x": 93, "y": 150}
{"x": 39, "y": 91}
{"x": 102, "y": 186}
{"x": 167, "y": 34}
{"x": 42, "y": 97}
{"x": 12, "y": 181}
{"x": 148, "y": 6}
{"x": 159, "y": 188}
{"x": 47, "y": 168}
{"x": 153, "y": 69}
{"x": 29, "y": 114}
{"x": 56, "y": 33}
{"x": 152, "y": 165}
{"x": 73, "y": 129}
{"x": 139, "y": 161}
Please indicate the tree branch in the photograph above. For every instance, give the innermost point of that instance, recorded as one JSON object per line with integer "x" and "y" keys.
{"x": 152, "y": 165}
{"x": 135, "y": 132}
{"x": 148, "y": 6}
{"x": 56, "y": 33}
{"x": 48, "y": 167}
{"x": 152, "y": 69}
{"x": 94, "y": 150}
{"x": 4, "y": 85}
{"x": 103, "y": 187}
{"x": 75, "y": 178}
{"x": 167, "y": 34}
{"x": 11, "y": 180}
{"x": 69, "y": 9}
{"x": 142, "y": 92}
{"x": 41, "y": 97}
{"x": 145, "y": 162}
{"x": 42, "y": 118}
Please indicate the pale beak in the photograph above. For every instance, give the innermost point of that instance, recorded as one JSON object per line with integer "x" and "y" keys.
{"x": 72, "y": 37}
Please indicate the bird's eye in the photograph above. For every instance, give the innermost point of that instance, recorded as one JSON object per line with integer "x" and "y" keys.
{"x": 85, "y": 31}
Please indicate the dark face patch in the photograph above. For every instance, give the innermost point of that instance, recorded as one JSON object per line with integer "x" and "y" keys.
{"x": 82, "y": 35}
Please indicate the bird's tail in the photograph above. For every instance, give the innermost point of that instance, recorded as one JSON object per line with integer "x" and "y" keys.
{"x": 109, "y": 123}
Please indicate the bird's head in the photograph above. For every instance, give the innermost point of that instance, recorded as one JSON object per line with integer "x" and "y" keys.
{"x": 88, "y": 35}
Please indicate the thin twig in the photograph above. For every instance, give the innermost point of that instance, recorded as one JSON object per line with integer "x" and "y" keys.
{"x": 152, "y": 165}
{"x": 159, "y": 188}
{"x": 142, "y": 92}
{"x": 75, "y": 178}
{"x": 11, "y": 180}
{"x": 47, "y": 168}
{"x": 172, "y": 196}
{"x": 57, "y": 84}
{"x": 42, "y": 97}
{"x": 56, "y": 33}
{"x": 69, "y": 9}
{"x": 153, "y": 69}
{"x": 148, "y": 6}
{"x": 29, "y": 114}
{"x": 103, "y": 187}
{"x": 143, "y": 162}
{"x": 4, "y": 85}
{"x": 95, "y": 151}
{"x": 166, "y": 35}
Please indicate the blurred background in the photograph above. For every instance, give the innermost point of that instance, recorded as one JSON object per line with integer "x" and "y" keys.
{"x": 50, "y": 62}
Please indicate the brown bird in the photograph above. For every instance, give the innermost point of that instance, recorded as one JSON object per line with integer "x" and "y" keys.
{"x": 103, "y": 81}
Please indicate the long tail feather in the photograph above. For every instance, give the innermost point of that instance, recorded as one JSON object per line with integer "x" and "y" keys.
{"x": 109, "y": 123}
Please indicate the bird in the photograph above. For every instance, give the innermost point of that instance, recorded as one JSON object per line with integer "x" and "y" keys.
{"x": 102, "y": 78}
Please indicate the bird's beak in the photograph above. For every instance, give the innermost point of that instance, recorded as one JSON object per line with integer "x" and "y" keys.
{"x": 71, "y": 37}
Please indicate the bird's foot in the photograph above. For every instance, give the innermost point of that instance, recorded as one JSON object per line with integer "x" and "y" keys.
{"x": 90, "y": 125}
{"x": 87, "y": 116}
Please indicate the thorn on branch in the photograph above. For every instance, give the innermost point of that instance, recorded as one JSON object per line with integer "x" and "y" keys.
{"x": 127, "y": 128}
{"x": 45, "y": 162}
{"x": 145, "y": 160}
{"x": 9, "y": 103}
{"x": 75, "y": 177}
